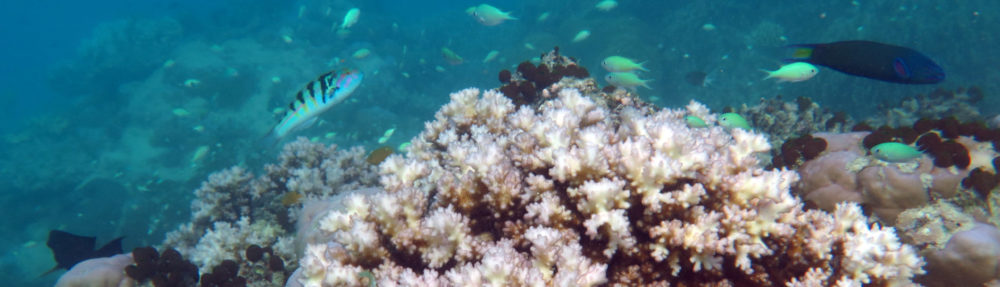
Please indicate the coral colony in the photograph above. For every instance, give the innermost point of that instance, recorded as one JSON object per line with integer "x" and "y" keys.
{"x": 551, "y": 181}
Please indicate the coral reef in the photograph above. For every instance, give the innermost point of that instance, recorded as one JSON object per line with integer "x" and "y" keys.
{"x": 844, "y": 172}
{"x": 235, "y": 210}
{"x": 960, "y": 103}
{"x": 575, "y": 193}
{"x": 782, "y": 120}
{"x": 524, "y": 87}
{"x": 960, "y": 250}
{"x": 167, "y": 269}
{"x": 942, "y": 202}
{"x": 106, "y": 271}
{"x": 796, "y": 151}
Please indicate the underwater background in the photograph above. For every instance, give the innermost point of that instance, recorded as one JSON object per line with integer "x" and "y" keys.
{"x": 114, "y": 112}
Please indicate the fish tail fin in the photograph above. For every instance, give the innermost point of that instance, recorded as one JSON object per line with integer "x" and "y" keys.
{"x": 769, "y": 74}
{"x": 645, "y": 85}
{"x": 271, "y": 139}
{"x": 641, "y": 67}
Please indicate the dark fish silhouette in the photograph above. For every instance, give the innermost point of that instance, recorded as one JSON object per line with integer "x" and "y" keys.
{"x": 69, "y": 249}
{"x": 872, "y": 60}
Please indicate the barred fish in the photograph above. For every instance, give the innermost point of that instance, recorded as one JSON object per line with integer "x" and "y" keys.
{"x": 315, "y": 98}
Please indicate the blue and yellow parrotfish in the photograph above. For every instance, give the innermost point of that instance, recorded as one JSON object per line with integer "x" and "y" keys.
{"x": 315, "y": 98}
{"x": 872, "y": 60}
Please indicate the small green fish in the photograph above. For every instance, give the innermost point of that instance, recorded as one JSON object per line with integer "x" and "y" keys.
{"x": 490, "y": 16}
{"x": 794, "y": 72}
{"x": 733, "y": 120}
{"x": 895, "y": 152}
{"x": 695, "y": 122}
{"x": 626, "y": 80}
{"x": 621, "y": 64}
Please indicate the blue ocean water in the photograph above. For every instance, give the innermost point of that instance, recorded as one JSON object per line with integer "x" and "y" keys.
{"x": 115, "y": 111}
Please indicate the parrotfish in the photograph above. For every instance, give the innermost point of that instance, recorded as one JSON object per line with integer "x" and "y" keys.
{"x": 490, "y": 16}
{"x": 895, "y": 152}
{"x": 626, "y": 80}
{"x": 794, "y": 72}
{"x": 733, "y": 120}
{"x": 872, "y": 60}
{"x": 621, "y": 64}
{"x": 315, "y": 98}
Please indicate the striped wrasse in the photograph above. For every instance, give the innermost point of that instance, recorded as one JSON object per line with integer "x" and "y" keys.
{"x": 315, "y": 98}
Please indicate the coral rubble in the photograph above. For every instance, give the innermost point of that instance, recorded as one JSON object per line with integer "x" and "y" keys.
{"x": 574, "y": 193}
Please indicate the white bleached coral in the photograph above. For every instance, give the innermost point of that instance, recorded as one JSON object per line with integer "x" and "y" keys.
{"x": 571, "y": 193}
{"x": 233, "y": 209}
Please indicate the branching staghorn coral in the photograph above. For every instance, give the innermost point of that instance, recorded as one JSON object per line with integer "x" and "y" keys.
{"x": 571, "y": 194}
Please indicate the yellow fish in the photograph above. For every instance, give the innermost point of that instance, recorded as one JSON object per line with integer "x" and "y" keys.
{"x": 490, "y": 16}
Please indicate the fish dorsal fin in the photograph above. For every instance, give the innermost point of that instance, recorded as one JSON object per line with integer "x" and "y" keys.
{"x": 112, "y": 248}
{"x": 54, "y": 269}
{"x": 69, "y": 249}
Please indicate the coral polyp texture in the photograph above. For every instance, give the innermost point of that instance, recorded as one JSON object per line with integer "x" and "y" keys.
{"x": 572, "y": 193}
{"x": 234, "y": 210}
